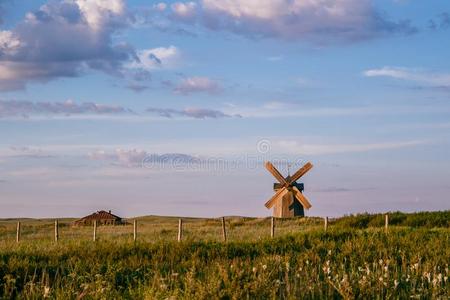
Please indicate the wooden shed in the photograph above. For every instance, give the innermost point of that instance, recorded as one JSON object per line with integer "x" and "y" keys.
{"x": 102, "y": 217}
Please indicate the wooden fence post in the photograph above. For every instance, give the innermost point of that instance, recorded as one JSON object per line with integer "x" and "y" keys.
{"x": 325, "y": 224}
{"x": 180, "y": 229}
{"x": 224, "y": 231}
{"x": 386, "y": 222}
{"x": 18, "y": 232}
{"x": 56, "y": 231}
{"x": 272, "y": 227}
{"x": 95, "y": 230}
{"x": 134, "y": 230}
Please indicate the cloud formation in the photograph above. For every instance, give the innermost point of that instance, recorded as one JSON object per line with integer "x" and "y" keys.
{"x": 123, "y": 157}
{"x": 64, "y": 39}
{"x": 197, "y": 113}
{"x": 295, "y": 147}
{"x": 191, "y": 85}
{"x": 185, "y": 11}
{"x": 161, "y": 58}
{"x": 426, "y": 78}
{"x": 317, "y": 20}
{"x": 141, "y": 158}
{"x": 27, "y": 152}
{"x": 157, "y": 58}
{"x": 26, "y": 109}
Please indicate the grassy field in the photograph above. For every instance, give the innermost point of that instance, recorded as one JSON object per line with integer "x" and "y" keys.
{"x": 355, "y": 258}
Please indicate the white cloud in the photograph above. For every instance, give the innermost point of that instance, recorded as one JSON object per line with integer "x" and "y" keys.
{"x": 160, "y": 6}
{"x": 64, "y": 39}
{"x": 279, "y": 109}
{"x": 184, "y": 10}
{"x": 323, "y": 20}
{"x": 415, "y": 75}
{"x": 197, "y": 85}
{"x": 157, "y": 58}
{"x": 279, "y": 148}
{"x": 99, "y": 12}
{"x": 27, "y": 109}
{"x": 131, "y": 157}
{"x": 262, "y": 9}
{"x": 298, "y": 148}
{"x": 191, "y": 112}
{"x": 141, "y": 158}
{"x": 9, "y": 42}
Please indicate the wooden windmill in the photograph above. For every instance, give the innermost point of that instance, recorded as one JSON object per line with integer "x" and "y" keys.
{"x": 288, "y": 200}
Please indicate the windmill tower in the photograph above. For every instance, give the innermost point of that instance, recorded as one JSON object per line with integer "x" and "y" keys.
{"x": 288, "y": 200}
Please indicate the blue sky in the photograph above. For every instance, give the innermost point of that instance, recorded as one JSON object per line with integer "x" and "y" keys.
{"x": 148, "y": 107}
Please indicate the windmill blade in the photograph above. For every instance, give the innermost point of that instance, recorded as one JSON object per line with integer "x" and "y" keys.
{"x": 300, "y": 197}
{"x": 278, "y": 195}
{"x": 302, "y": 171}
{"x": 271, "y": 168}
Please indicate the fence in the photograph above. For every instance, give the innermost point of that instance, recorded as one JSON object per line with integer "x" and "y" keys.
{"x": 258, "y": 227}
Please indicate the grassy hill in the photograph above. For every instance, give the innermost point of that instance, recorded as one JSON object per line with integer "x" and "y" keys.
{"x": 355, "y": 258}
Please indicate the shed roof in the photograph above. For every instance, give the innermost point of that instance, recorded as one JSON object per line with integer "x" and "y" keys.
{"x": 101, "y": 215}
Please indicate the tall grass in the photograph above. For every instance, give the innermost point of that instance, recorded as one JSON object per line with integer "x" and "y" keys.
{"x": 419, "y": 219}
{"x": 302, "y": 262}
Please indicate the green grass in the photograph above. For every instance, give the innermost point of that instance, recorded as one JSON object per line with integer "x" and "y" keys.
{"x": 355, "y": 258}
{"x": 156, "y": 228}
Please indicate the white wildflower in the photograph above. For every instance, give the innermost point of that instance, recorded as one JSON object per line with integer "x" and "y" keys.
{"x": 46, "y": 291}
{"x": 435, "y": 281}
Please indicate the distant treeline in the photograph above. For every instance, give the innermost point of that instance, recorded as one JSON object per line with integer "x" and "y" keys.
{"x": 419, "y": 219}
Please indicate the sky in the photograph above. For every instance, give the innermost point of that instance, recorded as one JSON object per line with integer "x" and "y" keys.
{"x": 171, "y": 108}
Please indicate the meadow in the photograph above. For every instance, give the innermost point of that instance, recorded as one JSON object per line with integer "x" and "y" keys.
{"x": 354, "y": 258}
